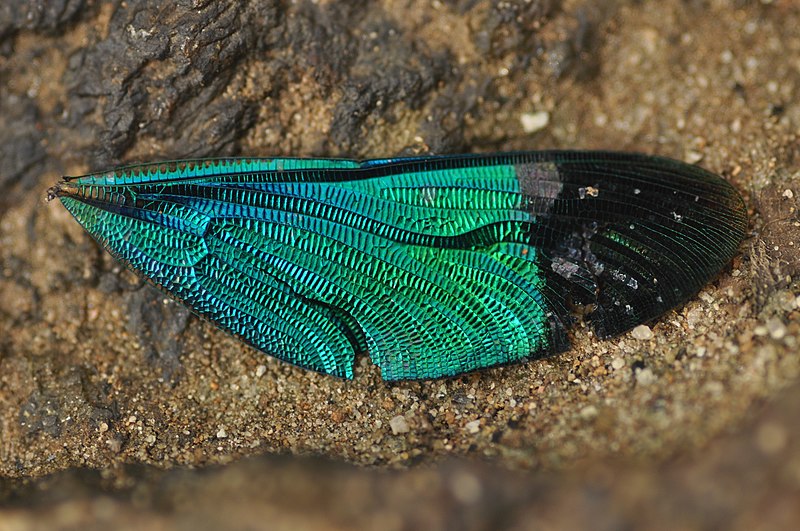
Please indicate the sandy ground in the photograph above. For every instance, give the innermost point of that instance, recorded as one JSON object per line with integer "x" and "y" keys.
{"x": 105, "y": 385}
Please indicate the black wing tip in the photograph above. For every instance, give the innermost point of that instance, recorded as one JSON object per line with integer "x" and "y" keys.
{"x": 660, "y": 229}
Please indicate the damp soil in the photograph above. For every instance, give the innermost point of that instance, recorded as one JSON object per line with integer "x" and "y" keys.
{"x": 119, "y": 407}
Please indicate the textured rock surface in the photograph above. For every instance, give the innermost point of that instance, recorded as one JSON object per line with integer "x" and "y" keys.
{"x": 99, "y": 372}
{"x": 749, "y": 481}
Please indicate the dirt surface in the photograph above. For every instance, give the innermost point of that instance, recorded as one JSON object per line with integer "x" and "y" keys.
{"x": 104, "y": 384}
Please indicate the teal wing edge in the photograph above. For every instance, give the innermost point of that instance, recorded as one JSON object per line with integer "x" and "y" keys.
{"x": 435, "y": 266}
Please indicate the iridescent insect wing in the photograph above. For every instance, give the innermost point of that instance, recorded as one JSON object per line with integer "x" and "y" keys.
{"x": 434, "y": 265}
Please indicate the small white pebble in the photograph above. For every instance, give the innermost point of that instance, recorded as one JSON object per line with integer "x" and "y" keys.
{"x": 473, "y": 426}
{"x": 617, "y": 363}
{"x": 466, "y": 488}
{"x": 706, "y": 297}
{"x": 788, "y": 193}
{"x": 399, "y": 425}
{"x": 645, "y": 377}
{"x": 693, "y": 157}
{"x": 221, "y": 434}
{"x": 776, "y": 328}
{"x": 588, "y": 412}
{"x": 695, "y": 317}
{"x": 260, "y": 370}
{"x": 772, "y": 86}
{"x": 534, "y": 121}
{"x": 642, "y": 333}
